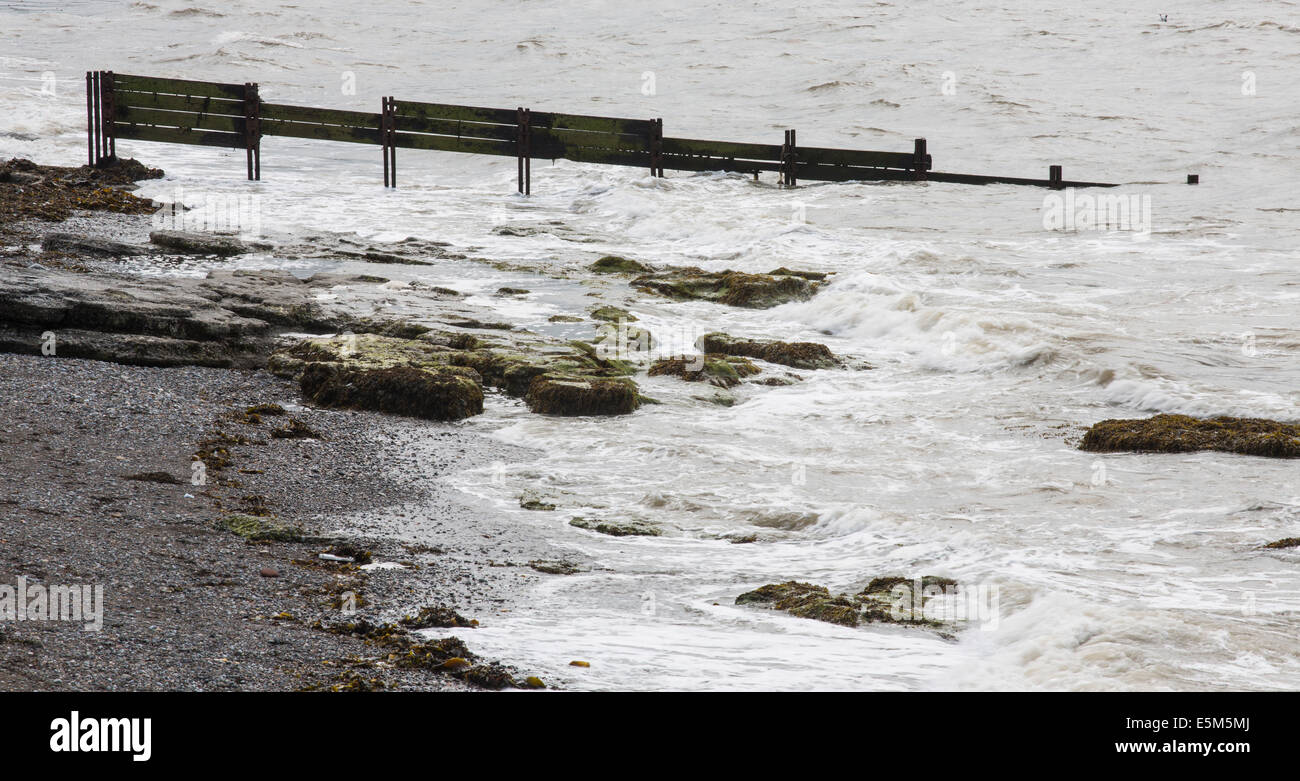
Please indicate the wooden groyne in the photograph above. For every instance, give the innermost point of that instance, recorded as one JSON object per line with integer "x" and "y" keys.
{"x": 233, "y": 116}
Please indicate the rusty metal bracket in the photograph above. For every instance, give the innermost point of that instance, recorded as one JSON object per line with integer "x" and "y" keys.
{"x": 253, "y": 131}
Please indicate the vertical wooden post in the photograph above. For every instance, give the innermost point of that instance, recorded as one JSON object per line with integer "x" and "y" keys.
{"x": 523, "y": 148}
{"x": 96, "y": 121}
{"x": 253, "y": 131}
{"x": 388, "y": 139}
{"x": 110, "y": 115}
{"x": 1054, "y": 176}
{"x": 789, "y": 159}
{"x": 90, "y": 119}
{"x": 919, "y": 162}
{"x": 657, "y": 147}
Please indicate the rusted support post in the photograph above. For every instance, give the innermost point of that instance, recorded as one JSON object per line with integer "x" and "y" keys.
{"x": 253, "y": 131}
{"x": 110, "y": 115}
{"x": 789, "y": 159}
{"x": 388, "y": 139}
{"x": 96, "y": 120}
{"x": 657, "y": 147}
{"x": 524, "y": 148}
{"x": 1054, "y": 177}
{"x": 90, "y": 119}
{"x": 920, "y": 160}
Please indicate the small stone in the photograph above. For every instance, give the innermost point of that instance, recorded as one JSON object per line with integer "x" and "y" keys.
{"x": 270, "y": 572}
{"x": 577, "y": 663}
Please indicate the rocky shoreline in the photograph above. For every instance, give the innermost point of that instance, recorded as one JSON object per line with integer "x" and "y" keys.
{"x": 225, "y": 453}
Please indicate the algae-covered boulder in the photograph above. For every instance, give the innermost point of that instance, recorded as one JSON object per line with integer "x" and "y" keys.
{"x": 733, "y": 288}
{"x": 612, "y": 314}
{"x": 1185, "y": 434}
{"x": 614, "y": 264}
{"x": 436, "y": 393}
{"x": 1289, "y": 542}
{"x": 616, "y": 528}
{"x": 723, "y": 371}
{"x": 198, "y": 243}
{"x": 894, "y": 600}
{"x": 256, "y": 529}
{"x": 567, "y": 395}
{"x": 797, "y": 355}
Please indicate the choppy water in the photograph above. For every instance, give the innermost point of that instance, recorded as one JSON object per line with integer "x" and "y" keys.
{"x": 995, "y": 341}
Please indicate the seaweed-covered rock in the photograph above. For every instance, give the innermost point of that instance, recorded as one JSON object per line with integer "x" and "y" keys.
{"x": 1185, "y": 434}
{"x": 723, "y": 371}
{"x": 884, "y": 600}
{"x": 612, "y": 314}
{"x": 76, "y": 244}
{"x": 733, "y": 288}
{"x": 797, "y": 355}
{"x": 437, "y": 617}
{"x": 1289, "y": 542}
{"x": 552, "y": 394}
{"x": 426, "y": 392}
{"x": 616, "y": 529}
{"x": 613, "y": 264}
{"x": 256, "y": 529}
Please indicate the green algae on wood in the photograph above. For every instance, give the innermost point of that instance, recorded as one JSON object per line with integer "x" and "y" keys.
{"x": 1186, "y": 434}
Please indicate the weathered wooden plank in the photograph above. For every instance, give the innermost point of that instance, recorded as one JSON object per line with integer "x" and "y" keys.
{"x": 179, "y": 86}
{"x": 498, "y": 116}
{"x": 591, "y": 124}
{"x": 691, "y": 146}
{"x": 172, "y": 135}
{"x": 696, "y": 163}
{"x": 352, "y": 135}
{"x": 178, "y": 102}
{"x": 182, "y": 119}
{"x": 478, "y": 146}
{"x": 592, "y": 155}
{"x": 812, "y": 154}
{"x": 321, "y": 116}
{"x": 978, "y": 179}
{"x": 579, "y": 138}
{"x": 455, "y": 127}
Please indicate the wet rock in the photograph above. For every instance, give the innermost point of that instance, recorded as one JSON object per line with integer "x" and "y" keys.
{"x": 617, "y": 529}
{"x": 512, "y": 291}
{"x": 554, "y": 567}
{"x": 884, "y": 600}
{"x": 612, "y": 314}
{"x": 1289, "y": 542}
{"x": 613, "y": 264}
{"x": 797, "y": 355}
{"x": 530, "y": 503}
{"x": 197, "y": 243}
{"x": 256, "y": 529}
{"x": 270, "y": 572}
{"x": 437, "y": 617}
{"x": 77, "y": 245}
{"x": 432, "y": 393}
{"x": 733, "y": 288}
{"x": 1185, "y": 434}
{"x": 564, "y": 319}
{"x": 551, "y": 394}
{"x": 723, "y": 371}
